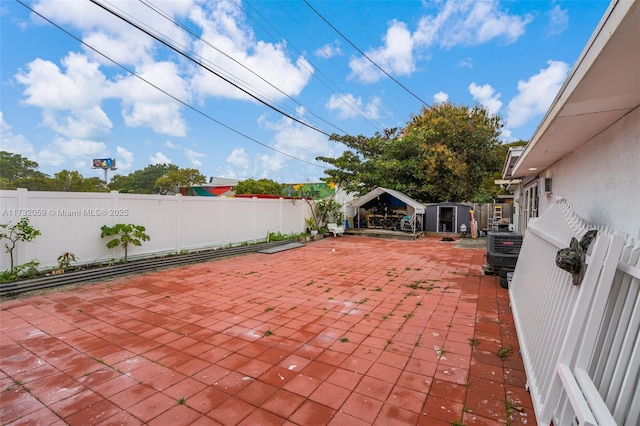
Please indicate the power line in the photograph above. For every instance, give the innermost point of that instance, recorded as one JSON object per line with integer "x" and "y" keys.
{"x": 170, "y": 19}
{"x": 366, "y": 56}
{"x": 147, "y": 32}
{"x": 191, "y": 107}
{"x": 338, "y": 91}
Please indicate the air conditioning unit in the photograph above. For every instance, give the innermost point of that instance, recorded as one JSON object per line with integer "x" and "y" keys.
{"x": 503, "y": 249}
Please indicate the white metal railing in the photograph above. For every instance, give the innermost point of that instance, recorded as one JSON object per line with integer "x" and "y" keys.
{"x": 580, "y": 344}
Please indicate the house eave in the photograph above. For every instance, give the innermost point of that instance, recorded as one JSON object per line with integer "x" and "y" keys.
{"x": 601, "y": 88}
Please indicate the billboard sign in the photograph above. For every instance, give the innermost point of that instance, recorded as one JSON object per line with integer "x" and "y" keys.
{"x": 104, "y": 163}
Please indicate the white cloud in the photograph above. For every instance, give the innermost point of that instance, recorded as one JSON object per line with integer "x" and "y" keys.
{"x": 558, "y": 21}
{"x": 441, "y": 97}
{"x": 225, "y": 28}
{"x": 145, "y": 106}
{"x": 372, "y": 109}
{"x": 457, "y": 22}
{"x": 238, "y": 158}
{"x": 486, "y": 96}
{"x": 348, "y": 106}
{"x": 297, "y": 140}
{"x": 193, "y": 157}
{"x": 114, "y": 37}
{"x": 395, "y": 56}
{"x": 189, "y": 153}
{"x": 469, "y": 23}
{"x": 329, "y": 50}
{"x": 536, "y": 94}
{"x": 125, "y": 158}
{"x": 159, "y": 158}
{"x": 294, "y": 139}
{"x": 466, "y": 63}
{"x": 63, "y": 150}
{"x": 70, "y": 100}
{"x": 506, "y": 136}
{"x": 238, "y": 164}
{"x": 49, "y": 156}
{"x": 79, "y": 148}
{"x": 11, "y": 142}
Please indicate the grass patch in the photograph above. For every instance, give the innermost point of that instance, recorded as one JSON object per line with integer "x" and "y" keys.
{"x": 419, "y": 285}
{"x": 504, "y": 352}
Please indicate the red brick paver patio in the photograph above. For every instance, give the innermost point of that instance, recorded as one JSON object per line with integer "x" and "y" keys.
{"x": 344, "y": 331}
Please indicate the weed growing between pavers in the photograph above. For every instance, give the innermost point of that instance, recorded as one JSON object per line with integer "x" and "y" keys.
{"x": 504, "y": 352}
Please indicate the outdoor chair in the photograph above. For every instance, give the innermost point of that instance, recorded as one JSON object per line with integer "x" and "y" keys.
{"x": 405, "y": 224}
{"x": 335, "y": 229}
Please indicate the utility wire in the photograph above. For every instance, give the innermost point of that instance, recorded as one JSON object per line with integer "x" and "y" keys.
{"x": 147, "y": 32}
{"x": 366, "y": 56}
{"x": 170, "y": 19}
{"x": 132, "y": 72}
{"x": 338, "y": 91}
{"x": 346, "y": 100}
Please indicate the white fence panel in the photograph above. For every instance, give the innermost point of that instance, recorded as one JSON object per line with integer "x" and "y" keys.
{"x": 580, "y": 344}
{"x": 70, "y": 222}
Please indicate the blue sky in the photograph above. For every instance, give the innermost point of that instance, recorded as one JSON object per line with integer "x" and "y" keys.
{"x": 63, "y": 104}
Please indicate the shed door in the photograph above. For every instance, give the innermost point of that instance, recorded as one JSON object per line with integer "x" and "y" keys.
{"x": 447, "y": 219}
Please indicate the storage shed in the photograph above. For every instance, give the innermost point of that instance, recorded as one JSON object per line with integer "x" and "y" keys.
{"x": 447, "y": 217}
{"x": 389, "y": 209}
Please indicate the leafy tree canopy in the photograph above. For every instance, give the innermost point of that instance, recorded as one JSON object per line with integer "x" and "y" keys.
{"x": 141, "y": 181}
{"x": 16, "y": 167}
{"x": 444, "y": 154}
{"x": 73, "y": 181}
{"x": 260, "y": 186}
{"x": 171, "y": 181}
{"x": 17, "y": 171}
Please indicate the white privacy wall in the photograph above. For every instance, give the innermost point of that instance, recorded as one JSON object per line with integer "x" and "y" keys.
{"x": 601, "y": 179}
{"x": 71, "y": 221}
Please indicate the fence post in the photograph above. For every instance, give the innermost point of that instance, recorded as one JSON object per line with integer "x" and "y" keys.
{"x": 179, "y": 222}
{"x": 255, "y": 219}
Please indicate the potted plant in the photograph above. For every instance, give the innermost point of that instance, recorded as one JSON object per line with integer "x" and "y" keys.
{"x": 311, "y": 226}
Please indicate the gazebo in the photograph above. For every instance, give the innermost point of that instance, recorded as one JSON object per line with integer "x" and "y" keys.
{"x": 388, "y": 209}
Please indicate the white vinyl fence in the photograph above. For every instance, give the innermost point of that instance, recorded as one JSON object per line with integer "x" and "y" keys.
{"x": 71, "y": 221}
{"x": 580, "y": 344}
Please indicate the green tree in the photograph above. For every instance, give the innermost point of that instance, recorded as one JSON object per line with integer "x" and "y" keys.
{"x": 35, "y": 183}
{"x": 260, "y": 186}
{"x": 125, "y": 235}
{"x": 73, "y": 181}
{"x": 443, "y": 154}
{"x": 17, "y": 171}
{"x": 20, "y": 231}
{"x": 14, "y": 166}
{"x": 141, "y": 181}
{"x": 173, "y": 180}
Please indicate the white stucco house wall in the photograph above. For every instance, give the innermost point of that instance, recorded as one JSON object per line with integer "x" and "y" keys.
{"x": 576, "y": 307}
{"x": 587, "y": 146}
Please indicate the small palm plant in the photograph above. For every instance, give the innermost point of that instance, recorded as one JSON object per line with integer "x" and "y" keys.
{"x": 125, "y": 234}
